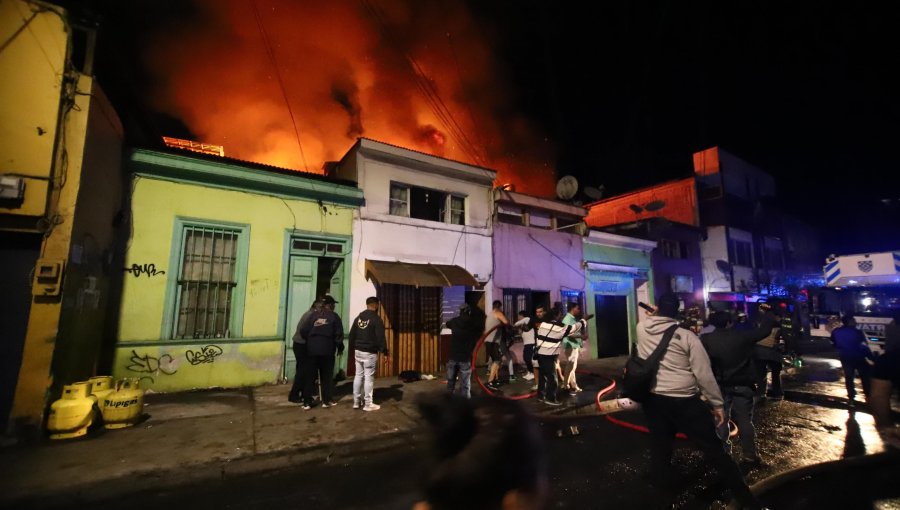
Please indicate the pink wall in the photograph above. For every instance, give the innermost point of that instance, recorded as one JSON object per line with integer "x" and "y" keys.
{"x": 523, "y": 260}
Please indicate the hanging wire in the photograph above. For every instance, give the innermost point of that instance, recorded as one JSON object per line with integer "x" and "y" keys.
{"x": 270, "y": 52}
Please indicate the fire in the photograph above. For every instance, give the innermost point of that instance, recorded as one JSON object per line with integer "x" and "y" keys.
{"x": 415, "y": 74}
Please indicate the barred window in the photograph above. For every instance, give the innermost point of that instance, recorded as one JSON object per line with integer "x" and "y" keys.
{"x": 206, "y": 282}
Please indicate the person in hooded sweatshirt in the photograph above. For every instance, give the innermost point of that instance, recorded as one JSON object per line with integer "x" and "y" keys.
{"x": 731, "y": 354}
{"x": 299, "y": 348}
{"x": 367, "y": 335}
{"x": 324, "y": 333}
{"x": 675, "y": 403}
{"x": 466, "y": 329}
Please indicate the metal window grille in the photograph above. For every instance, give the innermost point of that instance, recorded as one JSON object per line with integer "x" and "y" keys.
{"x": 206, "y": 282}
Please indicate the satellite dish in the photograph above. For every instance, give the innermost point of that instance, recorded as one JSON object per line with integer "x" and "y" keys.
{"x": 566, "y": 187}
{"x": 636, "y": 208}
{"x": 655, "y": 205}
{"x": 724, "y": 266}
{"x": 594, "y": 193}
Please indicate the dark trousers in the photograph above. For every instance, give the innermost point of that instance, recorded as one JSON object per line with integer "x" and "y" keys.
{"x": 323, "y": 368}
{"x": 768, "y": 359}
{"x": 300, "y": 374}
{"x": 739, "y": 407}
{"x": 528, "y": 354}
{"x": 547, "y": 384}
{"x": 668, "y": 415}
{"x": 852, "y": 367}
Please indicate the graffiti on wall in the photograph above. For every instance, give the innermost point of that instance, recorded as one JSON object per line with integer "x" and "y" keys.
{"x": 207, "y": 354}
{"x": 144, "y": 269}
{"x": 147, "y": 364}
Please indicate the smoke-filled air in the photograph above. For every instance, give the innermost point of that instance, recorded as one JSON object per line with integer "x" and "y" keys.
{"x": 417, "y": 74}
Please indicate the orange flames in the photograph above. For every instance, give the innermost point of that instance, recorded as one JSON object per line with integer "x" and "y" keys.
{"x": 415, "y": 74}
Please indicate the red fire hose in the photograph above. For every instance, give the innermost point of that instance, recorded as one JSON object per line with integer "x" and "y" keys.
{"x": 481, "y": 384}
{"x": 732, "y": 427}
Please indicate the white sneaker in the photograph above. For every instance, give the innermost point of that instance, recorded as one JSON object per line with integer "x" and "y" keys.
{"x": 372, "y": 407}
{"x": 356, "y": 404}
{"x": 528, "y": 377}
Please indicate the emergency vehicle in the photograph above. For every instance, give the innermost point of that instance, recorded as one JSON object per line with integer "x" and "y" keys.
{"x": 866, "y": 286}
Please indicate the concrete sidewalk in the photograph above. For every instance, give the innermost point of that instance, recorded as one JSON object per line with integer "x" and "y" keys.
{"x": 215, "y": 434}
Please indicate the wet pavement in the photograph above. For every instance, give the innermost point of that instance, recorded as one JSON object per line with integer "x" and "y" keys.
{"x": 593, "y": 462}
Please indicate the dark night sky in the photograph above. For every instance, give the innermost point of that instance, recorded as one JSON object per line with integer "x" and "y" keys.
{"x": 808, "y": 93}
{"x": 629, "y": 91}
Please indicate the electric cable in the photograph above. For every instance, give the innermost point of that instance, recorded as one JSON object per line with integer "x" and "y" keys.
{"x": 270, "y": 52}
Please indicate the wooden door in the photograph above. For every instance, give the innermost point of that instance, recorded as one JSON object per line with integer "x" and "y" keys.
{"x": 412, "y": 319}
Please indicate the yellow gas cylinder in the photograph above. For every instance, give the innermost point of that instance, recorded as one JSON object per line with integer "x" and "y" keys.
{"x": 123, "y": 407}
{"x": 101, "y": 387}
{"x": 71, "y": 415}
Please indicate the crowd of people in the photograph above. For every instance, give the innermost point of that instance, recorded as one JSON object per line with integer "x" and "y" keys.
{"x": 320, "y": 337}
{"x": 544, "y": 337}
{"x": 705, "y": 378}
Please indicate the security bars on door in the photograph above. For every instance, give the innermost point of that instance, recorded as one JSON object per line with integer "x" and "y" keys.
{"x": 206, "y": 281}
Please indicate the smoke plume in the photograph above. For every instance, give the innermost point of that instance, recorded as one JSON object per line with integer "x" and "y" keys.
{"x": 418, "y": 74}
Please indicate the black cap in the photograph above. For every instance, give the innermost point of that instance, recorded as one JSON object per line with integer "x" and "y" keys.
{"x": 668, "y": 304}
{"x": 328, "y": 300}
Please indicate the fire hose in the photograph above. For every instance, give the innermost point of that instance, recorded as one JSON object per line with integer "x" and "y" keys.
{"x": 481, "y": 384}
{"x": 732, "y": 427}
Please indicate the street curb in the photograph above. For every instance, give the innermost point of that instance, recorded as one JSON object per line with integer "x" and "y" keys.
{"x": 213, "y": 471}
{"x": 774, "y": 482}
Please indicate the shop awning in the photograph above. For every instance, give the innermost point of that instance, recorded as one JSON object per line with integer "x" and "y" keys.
{"x": 420, "y": 275}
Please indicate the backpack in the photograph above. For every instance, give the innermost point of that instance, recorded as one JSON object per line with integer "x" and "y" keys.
{"x": 640, "y": 374}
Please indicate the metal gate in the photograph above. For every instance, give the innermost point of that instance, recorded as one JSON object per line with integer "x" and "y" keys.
{"x": 412, "y": 320}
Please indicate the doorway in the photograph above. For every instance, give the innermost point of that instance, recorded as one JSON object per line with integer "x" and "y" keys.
{"x": 412, "y": 321}
{"x": 612, "y": 325}
{"x": 311, "y": 274}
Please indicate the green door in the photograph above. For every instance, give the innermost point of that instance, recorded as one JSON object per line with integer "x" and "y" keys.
{"x": 301, "y": 291}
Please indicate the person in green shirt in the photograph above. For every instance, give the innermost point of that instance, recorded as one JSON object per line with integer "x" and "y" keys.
{"x": 572, "y": 345}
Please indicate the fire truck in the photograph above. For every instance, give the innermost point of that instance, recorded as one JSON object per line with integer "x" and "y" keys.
{"x": 866, "y": 286}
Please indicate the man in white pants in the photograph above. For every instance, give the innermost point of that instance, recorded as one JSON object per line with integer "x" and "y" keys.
{"x": 572, "y": 347}
{"x": 367, "y": 338}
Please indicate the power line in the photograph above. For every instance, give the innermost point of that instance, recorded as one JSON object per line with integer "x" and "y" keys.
{"x": 459, "y": 77}
{"x": 271, "y": 54}
{"x": 426, "y": 86}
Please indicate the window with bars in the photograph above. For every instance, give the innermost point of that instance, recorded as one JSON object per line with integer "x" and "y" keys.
{"x": 207, "y": 278}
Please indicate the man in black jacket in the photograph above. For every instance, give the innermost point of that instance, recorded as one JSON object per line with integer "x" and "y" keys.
{"x": 324, "y": 334}
{"x": 731, "y": 354}
{"x": 299, "y": 348}
{"x": 367, "y": 337}
{"x": 466, "y": 330}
